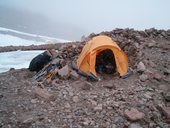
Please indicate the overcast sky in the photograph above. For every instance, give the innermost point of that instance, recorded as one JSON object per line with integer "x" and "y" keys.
{"x": 100, "y": 15}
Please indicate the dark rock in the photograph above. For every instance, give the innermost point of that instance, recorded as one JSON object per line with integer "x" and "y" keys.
{"x": 86, "y": 85}
{"x": 1, "y": 96}
{"x": 164, "y": 34}
{"x": 165, "y": 111}
{"x": 166, "y": 71}
{"x": 167, "y": 96}
{"x": 11, "y": 69}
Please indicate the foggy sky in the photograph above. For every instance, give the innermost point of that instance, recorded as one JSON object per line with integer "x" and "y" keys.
{"x": 100, "y": 15}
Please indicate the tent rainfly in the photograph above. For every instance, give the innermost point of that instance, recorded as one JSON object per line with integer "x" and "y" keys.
{"x": 87, "y": 59}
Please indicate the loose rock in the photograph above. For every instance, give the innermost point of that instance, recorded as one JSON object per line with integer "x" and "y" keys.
{"x": 86, "y": 85}
{"x": 74, "y": 75}
{"x": 167, "y": 96}
{"x": 166, "y": 111}
{"x": 75, "y": 99}
{"x": 109, "y": 86}
{"x": 133, "y": 114}
{"x": 164, "y": 87}
{"x": 143, "y": 77}
{"x": 43, "y": 93}
{"x": 141, "y": 67}
{"x": 98, "y": 107}
{"x": 94, "y": 103}
{"x": 157, "y": 76}
{"x": 64, "y": 72}
{"x": 33, "y": 101}
{"x": 148, "y": 95}
{"x": 134, "y": 126}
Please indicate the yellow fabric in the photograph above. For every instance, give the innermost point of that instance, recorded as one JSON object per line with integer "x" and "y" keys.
{"x": 87, "y": 59}
{"x": 49, "y": 42}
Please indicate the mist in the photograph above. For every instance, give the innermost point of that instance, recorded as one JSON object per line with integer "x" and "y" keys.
{"x": 72, "y": 19}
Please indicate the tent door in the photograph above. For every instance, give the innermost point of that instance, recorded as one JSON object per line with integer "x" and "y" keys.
{"x": 105, "y": 62}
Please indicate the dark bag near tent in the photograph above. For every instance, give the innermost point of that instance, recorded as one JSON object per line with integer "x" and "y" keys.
{"x": 39, "y": 61}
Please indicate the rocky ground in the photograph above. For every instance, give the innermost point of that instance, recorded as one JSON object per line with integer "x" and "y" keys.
{"x": 140, "y": 101}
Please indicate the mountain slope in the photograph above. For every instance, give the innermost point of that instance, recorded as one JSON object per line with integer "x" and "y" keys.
{"x": 139, "y": 101}
{"x": 38, "y": 24}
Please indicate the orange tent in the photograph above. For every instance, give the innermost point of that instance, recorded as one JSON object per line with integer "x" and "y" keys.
{"x": 87, "y": 59}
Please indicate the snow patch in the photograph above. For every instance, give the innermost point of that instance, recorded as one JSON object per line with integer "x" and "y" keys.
{"x": 58, "y": 40}
{"x": 7, "y": 40}
{"x": 16, "y": 59}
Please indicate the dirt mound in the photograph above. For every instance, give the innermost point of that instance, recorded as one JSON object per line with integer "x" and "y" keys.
{"x": 141, "y": 100}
